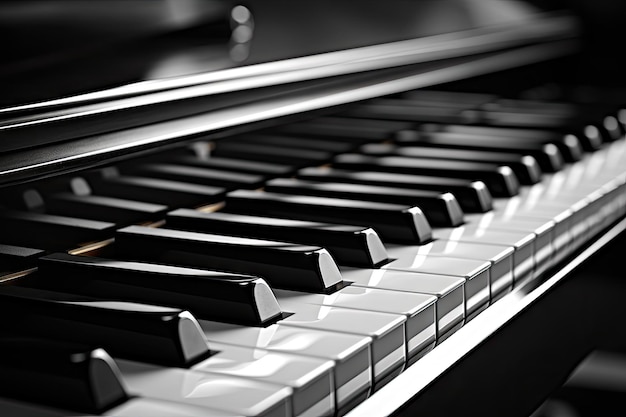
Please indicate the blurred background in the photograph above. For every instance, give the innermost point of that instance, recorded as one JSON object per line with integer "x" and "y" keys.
{"x": 55, "y": 48}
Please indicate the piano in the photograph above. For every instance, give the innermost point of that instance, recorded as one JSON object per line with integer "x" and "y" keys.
{"x": 216, "y": 208}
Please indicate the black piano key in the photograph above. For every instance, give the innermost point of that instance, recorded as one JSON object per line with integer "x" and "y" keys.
{"x": 565, "y": 131}
{"x": 441, "y": 209}
{"x": 393, "y": 222}
{"x": 395, "y": 109}
{"x": 234, "y": 165}
{"x": 157, "y": 191}
{"x": 294, "y": 141}
{"x": 217, "y": 296}
{"x": 345, "y": 129}
{"x": 526, "y": 167}
{"x": 439, "y": 98}
{"x": 473, "y": 196}
{"x": 274, "y": 154}
{"x": 570, "y": 145}
{"x": 12, "y": 257}
{"x": 500, "y": 179}
{"x": 51, "y": 232}
{"x": 548, "y": 155}
{"x": 348, "y": 244}
{"x": 196, "y": 175}
{"x": 110, "y": 209}
{"x": 283, "y": 265}
{"x": 60, "y": 374}
{"x": 576, "y": 117}
{"x": 142, "y": 332}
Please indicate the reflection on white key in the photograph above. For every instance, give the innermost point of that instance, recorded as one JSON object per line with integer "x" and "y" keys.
{"x": 310, "y": 378}
{"x": 543, "y": 229}
{"x": 222, "y": 392}
{"x": 385, "y": 329}
{"x": 501, "y": 258}
{"x": 419, "y": 310}
{"x": 350, "y": 353}
{"x": 134, "y": 407}
{"x": 448, "y": 290}
{"x": 475, "y": 272}
{"x": 522, "y": 242}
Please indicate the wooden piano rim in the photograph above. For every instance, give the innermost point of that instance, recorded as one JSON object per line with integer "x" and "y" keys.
{"x": 419, "y": 376}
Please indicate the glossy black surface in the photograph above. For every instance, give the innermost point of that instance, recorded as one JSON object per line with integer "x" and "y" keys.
{"x": 207, "y": 295}
{"x": 348, "y": 244}
{"x": 131, "y": 330}
{"x": 71, "y": 376}
{"x": 393, "y": 222}
{"x": 156, "y": 191}
{"x": 283, "y": 265}
{"x": 548, "y": 155}
{"x": 500, "y": 182}
{"x": 235, "y": 165}
{"x": 526, "y": 168}
{"x": 273, "y": 154}
{"x": 195, "y": 175}
{"x": 473, "y": 196}
{"x": 51, "y": 232}
{"x": 441, "y": 209}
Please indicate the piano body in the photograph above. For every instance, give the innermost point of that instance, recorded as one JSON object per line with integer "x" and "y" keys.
{"x": 269, "y": 208}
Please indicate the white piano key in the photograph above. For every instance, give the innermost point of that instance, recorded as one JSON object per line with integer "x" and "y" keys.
{"x": 501, "y": 258}
{"x": 475, "y": 272}
{"x": 419, "y": 310}
{"x": 449, "y": 291}
{"x": 219, "y": 392}
{"x": 310, "y": 378}
{"x": 522, "y": 242}
{"x": 350, "y": 353}
{"x": 543, "y": 229}
{"x": 385, "y": 329}
{"x": 152, "y": 407}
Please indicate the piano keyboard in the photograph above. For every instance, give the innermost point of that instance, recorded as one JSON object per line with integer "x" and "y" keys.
{"x": 297, "y": 270}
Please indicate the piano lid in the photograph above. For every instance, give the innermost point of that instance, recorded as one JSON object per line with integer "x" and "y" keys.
{"x": 88, "y": 82}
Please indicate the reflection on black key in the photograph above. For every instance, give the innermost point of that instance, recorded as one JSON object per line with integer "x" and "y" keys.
{"x": 393, "y": 222}
{"x": 135, "y": 331}
{"x": 59, "y": 374}
{"x": 294, "y": 141}
{"x": 46, "y": 231}
{"x": 276, "y": 154}
{"x": 18, "y": 257}
{"x": 157, "y": 191}
{"x": 442, "y": 98}
{"x": 110, "y": 209}
{"x": 346, "y": 129}
{"x": 234, "y": 165}
{"x": 217, "y": 296}
{"x": 473, "y": 196}
{"x": 500, "y": 179}
{"x": 548, "y": 155}
{"x": 402, "y": 110}
{"x": 349, "y": 245}
{"x": 603, "y": 118}
{"x": 526, "y": 167}
{"x": 283, "y": 265}
{"x": 197, "y": 175}
{"x": 441, "y": 209}
{"x": 569, "y": 145}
